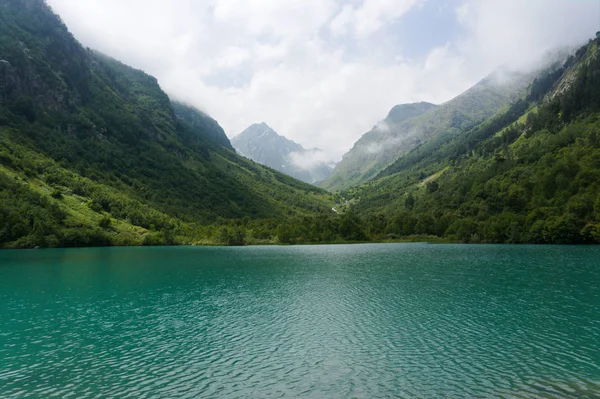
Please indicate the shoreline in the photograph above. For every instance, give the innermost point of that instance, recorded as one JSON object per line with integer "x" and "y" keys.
{"x": 415, "y": 240}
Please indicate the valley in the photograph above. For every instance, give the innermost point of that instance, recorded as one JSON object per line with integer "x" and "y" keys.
{"x": 94, "y": 152}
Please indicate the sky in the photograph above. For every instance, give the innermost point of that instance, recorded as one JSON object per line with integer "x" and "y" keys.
{"x": 323, "y": 72}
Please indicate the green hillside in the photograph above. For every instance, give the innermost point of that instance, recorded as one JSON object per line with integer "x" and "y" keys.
{"x": 396, "y": 136}
{"x": 93, "y": 152}
{"x": 529, "y": 174}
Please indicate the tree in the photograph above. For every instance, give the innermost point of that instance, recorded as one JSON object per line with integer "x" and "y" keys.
{"x": 350, "y": 228}
{"x": 105, "y": 222}
{"x": 284, "y": 234}
{"x": 432, "y": 186}
{"x": 24, "y": 106}
{"x": 56, "y": 194}
{"x": 410, "y": 202}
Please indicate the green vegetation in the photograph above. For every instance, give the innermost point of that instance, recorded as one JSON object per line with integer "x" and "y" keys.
{"x": 93, "y": 152}
{"x": 528, "y": 175}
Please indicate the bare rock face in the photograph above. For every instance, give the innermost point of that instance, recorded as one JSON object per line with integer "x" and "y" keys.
{"x": 20, "y": 80}
{"x": 40, "y": 61}
{"x": 4, "y": 72}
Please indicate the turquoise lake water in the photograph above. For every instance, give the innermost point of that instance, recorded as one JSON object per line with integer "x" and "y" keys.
{"x": 345, "y": 321}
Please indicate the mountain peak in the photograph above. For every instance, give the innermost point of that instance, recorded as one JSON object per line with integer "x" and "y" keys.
{"x": 264, "y": 145}
{"x": 256, "y": 131}
{"x": 402, "y": 112}
{"x": 261, "y": 125}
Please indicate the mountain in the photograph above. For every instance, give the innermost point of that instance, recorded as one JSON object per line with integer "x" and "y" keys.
{"x": 528, "y": 174}
{"x": 402, "y": 112}
{"x": 262, "y": 144}
{"x": 408, "y": 126}
{"x": 93, "y": 152}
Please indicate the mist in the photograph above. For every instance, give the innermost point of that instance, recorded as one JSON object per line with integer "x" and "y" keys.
{"x": 310, "y": 159}
{"x": 313, "y": 69}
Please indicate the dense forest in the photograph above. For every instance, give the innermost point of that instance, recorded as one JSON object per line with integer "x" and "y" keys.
{"x": 93, "y": 152}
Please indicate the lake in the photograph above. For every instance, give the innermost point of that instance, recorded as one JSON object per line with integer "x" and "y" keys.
{"x": 341, "y": 321}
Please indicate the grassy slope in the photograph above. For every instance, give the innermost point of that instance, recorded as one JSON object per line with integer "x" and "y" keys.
{"x": 84, "y": 202}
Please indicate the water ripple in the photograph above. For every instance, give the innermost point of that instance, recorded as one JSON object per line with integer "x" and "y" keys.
{"x": 365, "y": 321}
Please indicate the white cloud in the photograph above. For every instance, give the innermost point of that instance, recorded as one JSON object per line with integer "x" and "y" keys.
{"x": 516, "y": 32}
{"x": 232, "y": 56}
{"x": 370, "y": 16}
{"x": 290, "y": 18}
{"x": 310, "y": 159}
{"x": 307, "y": 67}
{"x": 462, "y": 13}
{"x": 383, "y": 127}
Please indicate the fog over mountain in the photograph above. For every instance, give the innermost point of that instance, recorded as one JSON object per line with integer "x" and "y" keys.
{"x": 262, "y": 144}
{"x": 408, "y": 126}
{"x": 322, "y": 72}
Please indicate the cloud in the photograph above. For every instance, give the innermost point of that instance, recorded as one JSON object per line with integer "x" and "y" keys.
{"x": 462, "y": 14}
{"x": 516, "y": 32}
{"x": 310, "y": 159}
{"x": 375, "y": 148}
{"x": 281, "y": 19}
{"x": 232, "y": 56}
{"x": 394, "y": 140}
{"x": 321, "y": 72}
{"x": 369, "y": 17}
{"x": 382, "y": 127}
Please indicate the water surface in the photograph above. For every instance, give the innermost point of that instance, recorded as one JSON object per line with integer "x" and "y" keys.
{"x": 360, "y": 321}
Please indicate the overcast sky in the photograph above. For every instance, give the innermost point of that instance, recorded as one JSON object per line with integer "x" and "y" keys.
{"x": 322, "y": 72}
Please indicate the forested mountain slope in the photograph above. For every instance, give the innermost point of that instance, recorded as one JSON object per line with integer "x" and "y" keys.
{"x": 528, "y": 174}
{"x": 394, "y": 137}
{"x": 94, "y": 152}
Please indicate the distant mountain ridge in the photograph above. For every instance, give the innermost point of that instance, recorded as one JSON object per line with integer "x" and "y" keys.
{"x": 264, "y": 145}
{"x": 409, "y": 125}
